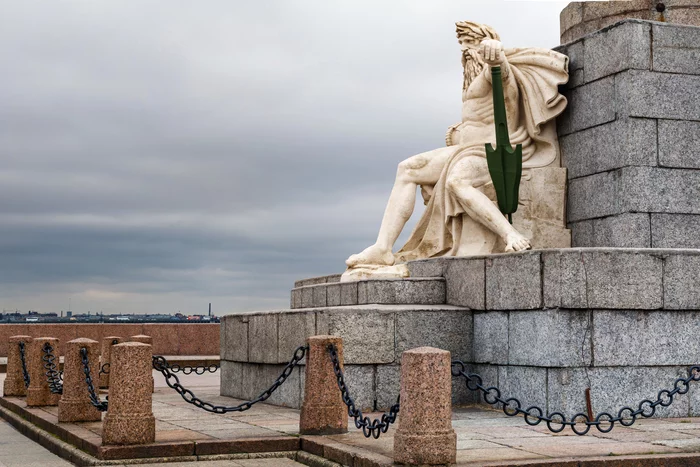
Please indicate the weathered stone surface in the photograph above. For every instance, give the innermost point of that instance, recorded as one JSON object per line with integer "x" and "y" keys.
{"x": 287, "y": 395}
{"x": 296, "y": 298}
{"x": 657, "y": 95}
{"x": 333, "y": 295}
{"x": 450, "y": 330}
{"x": 323, "y": 410}
{"x": 307, "y": 297}
{"x": 465, "y": 281}
{"x": 387, "y": 383}
{"x": 105, "y": 358}
{"x": 621, "y": 143}
{"x": 14, "y": 378}
{"x": 621, "y": 48}
{"x": 589, "y": 105}
{"x": 676, "y": 49}
{"x": 513, "y": 282}
{"x": 423, "y": 291}
{"x": 642, "y": 338}
{"x": 491, "y": 337}
{"x": 75, "y": 405}
{"x": 319, "y": 296}
{"x": 678, "y": 142}
{"x": 348, "y": 293}
{"x": 594, "y": 196}
{"x": 564, "y": 279}
{"x": 682, "y": 282}
{"x": 262, "y": 338}
{"x": 525, "y": 383}
{"x": 234, "y": 342}
{"x": 628, "y": 230}
{"x": 550, "y": 338}
{"x": 434, "y": 267}
{"x": 231, "y": 379}
{"x": 38, "y": 393}
{"x": 675, "y": 231}
{"x": 361, "y": 384}
{"x": 653, "y": 189}
{"x": 368, "y": 334}
{"x": 425, "y": 434}
{"x": 294, "y": 329}
{"x": 613, "y": 388}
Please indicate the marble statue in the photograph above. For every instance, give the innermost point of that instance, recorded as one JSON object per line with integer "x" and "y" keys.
{"x": 461, "y": 217}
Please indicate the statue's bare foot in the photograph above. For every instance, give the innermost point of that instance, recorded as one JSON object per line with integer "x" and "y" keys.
{"x": 371, "y": 255}
{"x": 516, "y": 242}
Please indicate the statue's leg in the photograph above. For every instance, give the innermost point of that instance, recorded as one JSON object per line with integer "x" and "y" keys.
{"x": 422, "y": 169}
{"x": 464, "y": 181}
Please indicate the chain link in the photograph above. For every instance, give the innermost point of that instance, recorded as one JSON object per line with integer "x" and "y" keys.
{"x": 197, "y": 370}
{"x": 579, "y": 423}
{"x": 53, "y": 376}
{"x": 23, "y": 359}
{"x": 161, "y": 364}
{"x": 104, "y": 369}
{"x": 370, "y": 428}
{"x": 94, "y": 398}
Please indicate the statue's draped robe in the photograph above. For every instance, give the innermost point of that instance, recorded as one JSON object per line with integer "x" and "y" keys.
{"x": 538, "y": 73}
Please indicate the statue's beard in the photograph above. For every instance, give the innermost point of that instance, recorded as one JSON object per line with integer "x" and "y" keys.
{"x": 473, "y": 65}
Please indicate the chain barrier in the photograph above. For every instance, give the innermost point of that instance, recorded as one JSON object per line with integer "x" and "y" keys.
{"x": 370, "y": 428}
{"x": 579, "y": 423}
{"x": 23, "y": 359}
{"x": 53, "y": 376}
{"x": 104, "y": 369}
{"x": 94, "y": 398}
{"x": 161, "y": 364}
{"x": 197, "y": 370}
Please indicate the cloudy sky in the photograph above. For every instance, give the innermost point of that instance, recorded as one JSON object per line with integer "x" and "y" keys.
{"x": 160, "y": 155}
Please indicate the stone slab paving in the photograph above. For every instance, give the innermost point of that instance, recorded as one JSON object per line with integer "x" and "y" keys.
{"x": 17, "y": 450}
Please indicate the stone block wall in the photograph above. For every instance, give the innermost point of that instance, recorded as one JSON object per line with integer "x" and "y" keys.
{"x": 630, "y": 136}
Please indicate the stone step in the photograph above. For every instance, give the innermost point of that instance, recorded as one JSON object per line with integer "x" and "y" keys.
{"x": 333, "y": 278}
{"x": 416, "y": 291}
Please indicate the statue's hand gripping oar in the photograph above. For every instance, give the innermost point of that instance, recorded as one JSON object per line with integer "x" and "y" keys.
{"x": 505, "y": 163}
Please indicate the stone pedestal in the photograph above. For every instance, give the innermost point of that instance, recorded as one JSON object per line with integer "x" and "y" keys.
{"x": 39, "y": 393}
{"x": 14, "y": 380}
{"x": 144, "y": 339}
{"x": 105, "y": 358}
{"x": 425, "y": 434}
{"x": 323, "y": 411}
{"x": 129, "y": 417}
{"x": 75, "y": 405}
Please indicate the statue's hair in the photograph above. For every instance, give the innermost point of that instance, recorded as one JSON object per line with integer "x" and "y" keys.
{"x": 473, "y": 33}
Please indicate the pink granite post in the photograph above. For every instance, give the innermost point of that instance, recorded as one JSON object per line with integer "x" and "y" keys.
{"x": 75, "y": 405}
{"x": 129, "y": 417}
{"x": 425, "y": 435}
{"x": 106, "y": 353}
{"x": 323, "y": 411}
{"x": 39, "y": 393}
{"x": 144, "y": 339}
{"x": 14, "y": 379}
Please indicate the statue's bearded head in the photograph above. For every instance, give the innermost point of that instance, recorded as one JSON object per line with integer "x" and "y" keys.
{"x": 470, "y": 36}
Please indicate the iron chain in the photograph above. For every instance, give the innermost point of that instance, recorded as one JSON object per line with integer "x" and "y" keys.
{"x": 23, "y": 359}
{"x": 94, "y": 398}
{"x": 579, "y": 423}
{"x": 161, "y": 364}
{"x": 53, "y": 376}
{"x": 197, "y": 370}
{"x": 104, "y": 369}
{"x": 370, "y": 428}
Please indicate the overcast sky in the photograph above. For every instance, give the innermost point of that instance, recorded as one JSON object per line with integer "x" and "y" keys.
{"x": 161, "y": 155}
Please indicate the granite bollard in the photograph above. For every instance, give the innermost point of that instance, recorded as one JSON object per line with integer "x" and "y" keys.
{"x": 323, "y": 411}
{"x": 425, "y": 435}
{"x": 144, "y": 339}
{"x": 129, "y": 417}
{"x": 14, "y": 379}
{"x": 38, "y": 393}
{"x": 75, "y": 405}
{"x": 105, "y": 355}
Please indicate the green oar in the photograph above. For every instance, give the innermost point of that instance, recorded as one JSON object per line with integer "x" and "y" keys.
{"x": 505, "y": 163}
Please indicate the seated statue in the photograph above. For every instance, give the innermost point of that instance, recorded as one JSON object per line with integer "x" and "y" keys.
{"x": 461, "y": 216}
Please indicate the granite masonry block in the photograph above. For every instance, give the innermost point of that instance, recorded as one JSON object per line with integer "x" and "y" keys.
{"x": 368, "y": 334}
{"x": 423, "y": 291}
{"x": 657, "y": 95}
{"x": 593, "y": 196}
{"x": 387, "y": 383}
{"x": 333, "y": 295}
{"x": 444, "y": 329}
{"x": 360, "y": 381}
{"x": 234, "y": 345}
{"x": 682, "y": 282}
{"x": 676, "y": 49}
{"x": 675, "y": 231}
{"x": 564, "y": 279}
{"x": 621, "y": 48}
{"x": 551, "y": 338}
{"x": 613, "y": 145}
{"x": 433, "y": 267}
{"x": 296, "y": 298}
{"x": 491, "y": 337}
{"x": 319, "y": 295}
{"x": 294, "y": 328}
{"x": 653, "y": 189}
{"x": 526, "y": 384}
{"x": 646, "y": 338}
{"x": 513, "y": 282}
{"x": 575, "y": 53}
{"x": 307, "y": 297}
{"x": 287, "y": 395}
{"x": 262, "y": 338}
{"x": 348, "y": 293}
{"x": 629, "y": 230}
{"x": 231, "y": 379}
{"x": 679, "y": 142}
{"x": 589, "y": 105}
{"x": 465, "y": 281}
{"x": 612, "y": 389}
